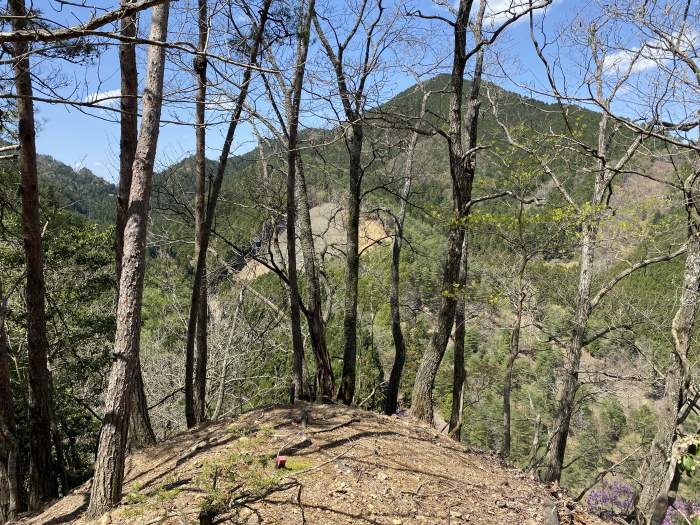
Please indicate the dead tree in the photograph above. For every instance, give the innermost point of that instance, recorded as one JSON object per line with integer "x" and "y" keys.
{"x": 109, "y": 463}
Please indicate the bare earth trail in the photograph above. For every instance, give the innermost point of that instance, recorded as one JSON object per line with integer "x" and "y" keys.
{"x": 344, "y": 466}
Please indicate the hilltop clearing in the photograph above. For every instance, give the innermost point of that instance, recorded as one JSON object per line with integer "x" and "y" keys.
{"x": 343, "y": 466}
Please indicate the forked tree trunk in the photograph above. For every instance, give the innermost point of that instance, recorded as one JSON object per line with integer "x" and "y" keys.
{"x": 660, "y": 473}
{"x": 42, "y": 485}
{"x": 392, "y": 391}
{"x": 215, "y": 189}
{"x": 325, "y": 382}
{"x": 109, "y": 463}
{"x": 292, "y": 154}
{"x": 462, "y": 168}
{"x": 141, "y": 432}
{"x": 200, "y": 67}
{"x": 458, "y": 372}
{"x": 346, "y": 392}
{"x": 352, "y": 101}
{"x": 11, "y": 496}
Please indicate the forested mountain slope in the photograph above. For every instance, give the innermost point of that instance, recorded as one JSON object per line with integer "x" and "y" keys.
{"x": 249, "y": 340}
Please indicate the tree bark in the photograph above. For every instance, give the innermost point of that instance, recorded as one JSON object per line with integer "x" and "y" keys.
{"x": 568, "y": 385}
{"x": 11, "y": 496}
{"x": 325, "y": 381}
{"x": 461, "y": 144}
{"x": 141, "y": 432}
{"x": 513, "y": 352}
{"x": 200, "y": 68}
{"x": 352, "y": 101}
{"x": 215, "y": 189}
{"x": 109, "y": 463}
{"x": 346, "y": 392}
{"x": 660, "y": 473}
{"x": 458, "y": 371}
{"x": 392, "y": 391}
{"x": 42, "y": 484}
{"x": 292, "y": 155}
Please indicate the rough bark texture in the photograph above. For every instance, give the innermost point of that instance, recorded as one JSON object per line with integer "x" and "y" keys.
{"x": 346, "y": 392}
{"x": 292, "y": 155}
{"x": 42, "y": 484}
{"x": 352, "y": 100}
{"x": 199, "y": 388}
{"x": 660, "y": 473}
{"x": 109, "y": 462}
{"x": 458, "y": 371}
{"x": 462, "y": 140}
{"x": 568, "y": 384}
{"x": 215, "y": 189}
{"x": 325, "y": 382}
{"x": 141, "y": 432}
{"x": 392, "y": 391}
{"x": 11, "y": 498}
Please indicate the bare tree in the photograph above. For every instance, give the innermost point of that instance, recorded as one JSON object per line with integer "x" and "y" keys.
{"x": 42, "y": 483}
{"x": 669, "y": 42}
{"x": 214, "y": 191}
{"x": 392, "y": 391}
{"x": 293, "y": 141}
{"x": 462, "y": 141}
{"x": 109, "y": 462}
{"x": 353, "y": 98}
{"x": 200, "y": 68}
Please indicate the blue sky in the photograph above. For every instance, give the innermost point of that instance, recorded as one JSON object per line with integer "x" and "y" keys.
{"x": 91, "y": 140}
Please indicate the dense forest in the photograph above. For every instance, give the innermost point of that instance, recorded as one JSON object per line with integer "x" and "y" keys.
{"x": 478, "y": 215}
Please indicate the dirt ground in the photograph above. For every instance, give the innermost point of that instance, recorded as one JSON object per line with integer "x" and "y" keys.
{"x": 343, "y": 466}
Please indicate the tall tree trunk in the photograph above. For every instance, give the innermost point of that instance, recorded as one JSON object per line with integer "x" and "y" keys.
{"x": 463, "y": 137}
{"x": 141, "y": 432}
{"x": 458, "y": 372}
{"x": 392, "y": 391}
{"x": 42, "y": 484}
{"x": 325, "y": 382}
{"x": 292, "y": 154}
{"x": 200, "y": 68}
{"x": 346, "y": 392}
{"x": 215, "y": 189}
{"x": 109, "y": 463}
{"x": 11, "y": 496}
{"x": 660, "y": 473}
{"x": 513, "y": 351}
{"x": 568, "y": 384}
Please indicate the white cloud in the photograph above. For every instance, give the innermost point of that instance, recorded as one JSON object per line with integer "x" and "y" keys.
{"x": 648, "y": 56}
{"x": 104, "y": 98}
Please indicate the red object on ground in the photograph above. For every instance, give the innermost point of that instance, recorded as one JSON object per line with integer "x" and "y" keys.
{"x": 281, "y": 461}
